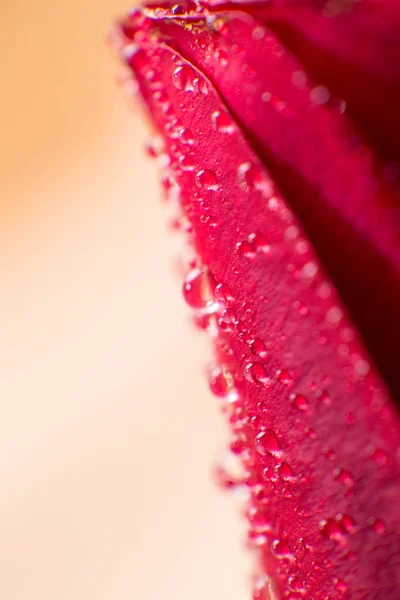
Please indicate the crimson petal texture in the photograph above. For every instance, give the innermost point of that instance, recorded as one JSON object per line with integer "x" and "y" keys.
{"x": 277, "y": 190}
{"x": 333, "y": 180}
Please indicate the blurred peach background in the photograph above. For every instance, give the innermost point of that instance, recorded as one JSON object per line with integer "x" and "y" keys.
{"x": 107, "y": 430}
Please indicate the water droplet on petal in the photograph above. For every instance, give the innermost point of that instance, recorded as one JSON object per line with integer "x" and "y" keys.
{"x": 284, "y": 376}
{"x": 258, "y": 348}
{"x": 266, "y": 443}
{"x": 259, "y": 242}
{"x": 223, "y": 293}
{"x": 285, "y": 472}
{"x": 332, "y": 530}
{"x": 222, "y": 383}
{"x": 198, "y": 288}
{"x": 252, "y": 176}
{"x": 227, "y": 320}
{"x": 281, "y": 549}
{"x": 255, "y": 373}
{"x": 299, "y": 401}
{"x": 245, "y": 249}
{"x": 346, "y": 522}
{"x": 178, "y": 9}
{"x": 344, "y": 477}
{"x": 319, "y": 95}
{"x": 259, "y": 518}
{"x": 183, "y": 78}
{"x": 206, "y": 179}
{"x": 222, "y": 121}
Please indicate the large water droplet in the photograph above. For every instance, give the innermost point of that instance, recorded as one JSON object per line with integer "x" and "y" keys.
{"x": 206, "y": 179}
{"x": 198, "y": 288}
{"x": 255, "y": 373}
{"x": 183, "y": 78}
{"x": 222, "y": 383}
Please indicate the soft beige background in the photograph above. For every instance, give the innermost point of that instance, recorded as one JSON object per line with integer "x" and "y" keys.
{"x": 107, "y": 430}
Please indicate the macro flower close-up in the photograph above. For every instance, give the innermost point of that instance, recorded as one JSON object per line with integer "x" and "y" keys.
{"x": 200, "y": 306}
{"x": 276, "y": 130}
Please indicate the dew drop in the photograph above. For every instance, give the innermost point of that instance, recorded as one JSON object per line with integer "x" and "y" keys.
{"x": 299, "y": 401}
{"x": 202, "y": 86}
{"x": 266, "y": 443}
{"x": 346, "y": 522}
{"x": 285, "y": 472}
{"x": 258, "y": 348}
{"x": 309, "y": 270}
{"x": 259, "y": 519}
{"x": 206, "y": 179}
{"x": 344, "y": 477}
{"x": 222, "y": 122}
{"x": 281, "y": 549}
{"x": 186, "y": 136}
{"x": 183, "y": 78}
{"x": 319, "y": 95}
{"x": 223, "y": 293}
{"x": 245, "y": 249}
{"x": 222, "y": 384}
{"x": 334, "y": 315}
{"x": 198, "y": 288}
{"x": 284, "y": 376}
{"x": 227, "y": 320}
{"x": 239, "y": 443}
{"x": 178, "y": 9}
{"x": 259, "y": 242}
{"x": 255, "y": 373}
{"x": 186, "y": 162}
{"x": 251, "y": 177}
{"x": 299, "y": 79}
{"x": 332, "y": 530}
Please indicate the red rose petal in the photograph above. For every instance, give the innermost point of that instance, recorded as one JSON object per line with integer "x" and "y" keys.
{"x": 329, "y": 175}
{"x": 316, "y": 432}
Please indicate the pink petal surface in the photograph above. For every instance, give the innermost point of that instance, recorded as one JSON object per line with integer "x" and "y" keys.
{"x": 312, "y": 421}
{"x": 331, "y": 178}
